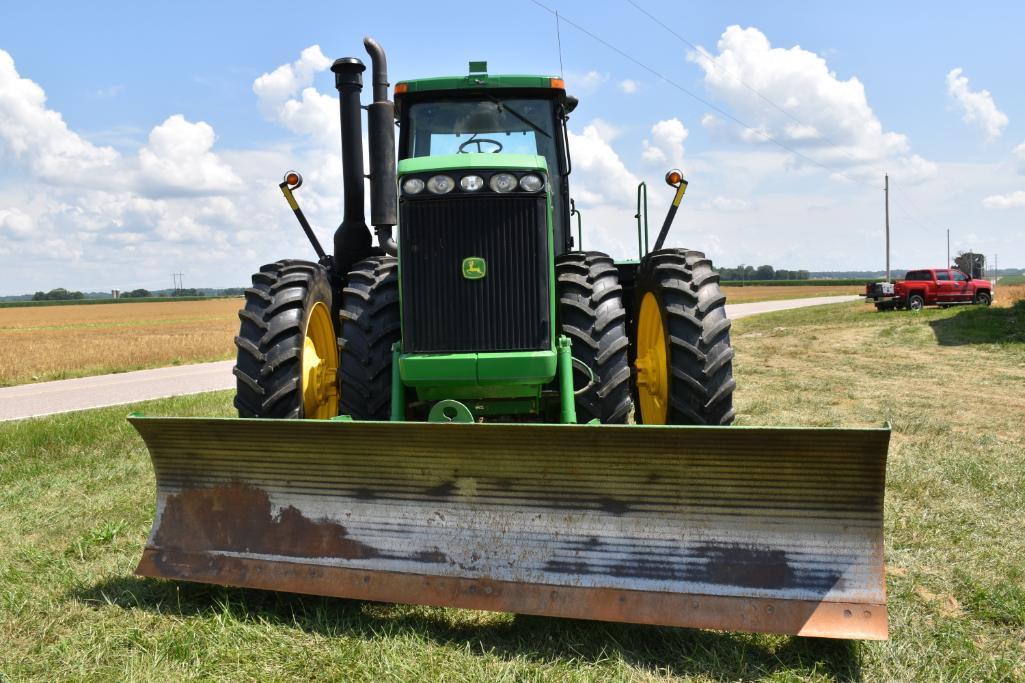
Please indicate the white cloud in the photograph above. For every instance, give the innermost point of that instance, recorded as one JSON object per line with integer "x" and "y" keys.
{"x": 819, "y": 114}
{"x": 666, "y": 144}
{"x": 38, "y": 138}
{"x": 178, "y": 160}
{"x": 1019, "y": 155}
{"x": 15, "y": 224}
{"x": 288, "y": 79}
{"x": 599, "y": 175}
{"x": 1011, "y": 200}
{"x": 287, "y": 95}
{"x": 586, "y": 83}
{"x": 629, "y": 86}
{"x": 721, "y": 203}
{"x": 977, "y": 106}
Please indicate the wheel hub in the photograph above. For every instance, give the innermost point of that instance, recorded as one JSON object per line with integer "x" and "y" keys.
{"x": 319, "y": 365}
{"x": 652, "y": 363}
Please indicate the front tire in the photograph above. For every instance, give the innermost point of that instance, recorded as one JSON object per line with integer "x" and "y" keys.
{"x": 682, "y": 339}
{"x": 370, "y": 325}
{"x": 592, "y": 315}
{"x": 287, "y": 363}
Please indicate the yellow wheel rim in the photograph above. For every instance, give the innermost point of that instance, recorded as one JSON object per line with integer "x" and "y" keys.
{"x": 320, "y": 365}
{"x": 652, "y": 368}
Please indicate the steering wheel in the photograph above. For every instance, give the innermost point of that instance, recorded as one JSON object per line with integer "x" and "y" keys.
{"x": 477, "y": 141}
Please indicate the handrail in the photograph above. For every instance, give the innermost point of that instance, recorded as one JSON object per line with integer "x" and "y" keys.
{"x": 580, "y": 229}
{"x": 642, "y": 188}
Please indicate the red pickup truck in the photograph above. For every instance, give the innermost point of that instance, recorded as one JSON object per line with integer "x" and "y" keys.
{"x": 929, "y": 287}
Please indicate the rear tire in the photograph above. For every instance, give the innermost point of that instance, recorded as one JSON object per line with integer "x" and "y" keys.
{"x": 369, "y": 321}
{"x": 983, "y": 298}
{"x": 698, "y": 357}
{"x": 272, "y": 341}
{"x": 916, "y": 302}
{"x": 592, "y": 315}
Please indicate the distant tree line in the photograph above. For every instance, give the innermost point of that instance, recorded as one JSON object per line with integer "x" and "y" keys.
{"x": 59, "y": 294}
{"x": 766, "y": 272}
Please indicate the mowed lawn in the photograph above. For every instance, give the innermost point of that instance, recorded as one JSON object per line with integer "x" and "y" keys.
{"x": 39, "y": 344}
{"x": 58, "y": 342}
{"x": 76, "y": 502}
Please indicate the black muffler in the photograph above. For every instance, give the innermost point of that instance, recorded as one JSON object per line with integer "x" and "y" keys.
{"x": 381, "y": 137}
{"x": 352, "y": 238}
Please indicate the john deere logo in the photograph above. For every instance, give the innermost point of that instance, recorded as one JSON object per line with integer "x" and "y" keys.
{"x": 474, "y": 268}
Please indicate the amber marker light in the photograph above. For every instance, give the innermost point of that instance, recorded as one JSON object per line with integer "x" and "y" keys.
{"x": 558, "y": 83}
{"x": 674, "y": 177}
{"x": 401, "y": 88}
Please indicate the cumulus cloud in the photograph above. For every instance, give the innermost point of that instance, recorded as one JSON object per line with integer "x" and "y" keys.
{"x": 819, "y": 114}
{"x": 171, "y": 203}
{"x": 721, "y": 203}
{"x": 1011, "y": 200}
{"x": 39, "y": 138}
{"x": 666, "y": 143}
{"x": 629, "y": 86}
{"x": 287, "y": 95}
{"x": 587, "y": 82}
{"x": 977, "y": 106}
{"x": 599, "y": 174}
{"x": 1019, "y": 155}
{"x": 178, "y": 160}
{"x": 287, "y": 80}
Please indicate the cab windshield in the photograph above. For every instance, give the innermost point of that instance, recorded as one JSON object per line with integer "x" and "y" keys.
{"x": 513, "y": 126}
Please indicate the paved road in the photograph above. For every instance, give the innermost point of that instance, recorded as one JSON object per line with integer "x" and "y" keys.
{"x": 47, "y": 398}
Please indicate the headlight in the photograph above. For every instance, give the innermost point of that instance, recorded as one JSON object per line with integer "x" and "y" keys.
{"x": 503, "y": 182}
{"x": 471, "y": 183}
{"x": 440, "y": 184}
{"x": 532, "y": 182}
{"x": 412, "y": 185}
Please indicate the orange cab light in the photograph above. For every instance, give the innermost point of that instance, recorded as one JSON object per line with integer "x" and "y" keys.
{"x": 558, "y": 83}
{"x": 674, "y": 177}
{"x": 401, "y": 88}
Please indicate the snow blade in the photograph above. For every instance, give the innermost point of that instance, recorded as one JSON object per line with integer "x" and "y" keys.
{"x": 756, "y": 529}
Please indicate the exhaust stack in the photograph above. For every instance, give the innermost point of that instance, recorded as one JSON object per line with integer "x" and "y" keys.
{"x": 352, "y": 238}
{"x": 381, "y": 137}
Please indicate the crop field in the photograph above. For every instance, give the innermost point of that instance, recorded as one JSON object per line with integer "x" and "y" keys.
{"x": 76, "y": 492}
{"x": 41, "y": 343}
{"x": 743, "y": 295}
{"x": 59, "y": 342}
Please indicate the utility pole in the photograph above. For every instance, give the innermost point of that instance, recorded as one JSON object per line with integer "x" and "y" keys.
{"x": 886, "y": 189}
{"x": 948, "y": 248}
{"x": 996, "y": 274}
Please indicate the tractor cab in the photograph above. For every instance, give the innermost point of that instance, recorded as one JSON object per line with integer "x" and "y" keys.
{"x": 482, "y": 114}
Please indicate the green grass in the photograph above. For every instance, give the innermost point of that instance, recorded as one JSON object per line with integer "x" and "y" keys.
{"x": 76, "y": 501}
{"x": 1011, "y": 280}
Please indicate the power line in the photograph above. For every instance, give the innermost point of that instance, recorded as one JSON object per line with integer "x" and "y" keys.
{"x": 756, "y": 131}
{"x": 697, "y": 97}
{"x": 702, "y": 52}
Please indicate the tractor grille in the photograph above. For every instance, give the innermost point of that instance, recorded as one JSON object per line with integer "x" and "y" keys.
{"x": 507, "y": 309}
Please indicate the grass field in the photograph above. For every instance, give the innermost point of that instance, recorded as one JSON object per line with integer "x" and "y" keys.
{"x": 44, "y": 343}
{"x": 1011, "y": 280}
{"x": 58, "y": 342}
{"x": 743, "y": 295}
{"x": 76, "y": 499}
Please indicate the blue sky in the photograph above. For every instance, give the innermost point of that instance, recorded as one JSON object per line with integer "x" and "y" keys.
{"x": 134, "y": 140}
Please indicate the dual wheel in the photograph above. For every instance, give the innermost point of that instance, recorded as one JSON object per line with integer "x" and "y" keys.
{"x": 291, "y": 364}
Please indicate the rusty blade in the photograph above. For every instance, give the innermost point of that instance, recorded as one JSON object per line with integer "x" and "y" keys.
{"x": 752, "y": 529}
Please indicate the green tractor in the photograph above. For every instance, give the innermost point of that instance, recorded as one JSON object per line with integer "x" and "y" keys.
{"x": 452, "y": 416}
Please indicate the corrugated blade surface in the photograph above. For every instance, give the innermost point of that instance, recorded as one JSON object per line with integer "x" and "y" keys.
{"x": 757, "y": 529}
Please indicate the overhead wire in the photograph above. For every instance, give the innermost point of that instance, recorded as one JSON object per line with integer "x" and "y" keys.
{"x": 760, "y": 133}
{"x": 757, "y": 131}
